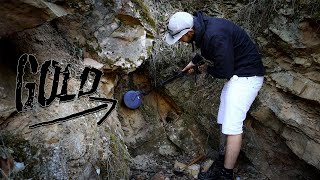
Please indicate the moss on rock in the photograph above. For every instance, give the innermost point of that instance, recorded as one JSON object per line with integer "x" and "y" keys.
{"x": 144, "y": 12}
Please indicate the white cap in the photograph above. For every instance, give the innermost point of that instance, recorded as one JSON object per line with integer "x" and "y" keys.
{"x": 179, "y": 24}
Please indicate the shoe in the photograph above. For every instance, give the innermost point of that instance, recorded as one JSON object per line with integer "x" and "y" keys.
{"x": 225, "y": 178}
{"x": 211, "y": 174}
{"x": 225, "y": 174}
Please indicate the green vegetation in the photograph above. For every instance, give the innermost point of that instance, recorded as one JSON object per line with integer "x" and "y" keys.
{"x": 142, "y": 8}
{"x": 257, "y": 15}
{"x": 117, "y": 164}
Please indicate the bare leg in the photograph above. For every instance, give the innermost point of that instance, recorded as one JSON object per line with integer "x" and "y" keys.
{"x": 232, "y": 150}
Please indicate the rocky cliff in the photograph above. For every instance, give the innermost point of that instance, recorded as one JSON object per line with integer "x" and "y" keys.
{"x": 70, "y": 36}
{"x": 123, "y": 39}
{"x": 282, "y": 126}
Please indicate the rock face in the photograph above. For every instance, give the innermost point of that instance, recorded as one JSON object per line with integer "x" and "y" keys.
{"x": 281, "y": 136}
{"x": 74, "y": 149}
{"x": 281, "y": 132}
{"x": 20, "y": 15}
{"x": 115, "y": 33}
{"x": 68, "y": 32}
{"x": 292, "y": 93}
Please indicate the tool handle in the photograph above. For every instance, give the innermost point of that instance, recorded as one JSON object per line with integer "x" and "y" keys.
{"x": 180, "y": 74}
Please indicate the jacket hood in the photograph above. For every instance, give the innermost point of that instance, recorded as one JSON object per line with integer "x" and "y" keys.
{"x": 199, "y": 26}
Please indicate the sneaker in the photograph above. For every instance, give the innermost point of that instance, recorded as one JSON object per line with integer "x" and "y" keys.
{"x": 226, "y": 174}
{"x": 225, "y": 178}
{"x": 211, "y": 174}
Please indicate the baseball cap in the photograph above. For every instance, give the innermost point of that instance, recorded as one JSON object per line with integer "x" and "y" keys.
{"x": 179, "y": 24}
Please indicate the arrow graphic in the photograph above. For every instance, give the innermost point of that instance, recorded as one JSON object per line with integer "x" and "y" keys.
{"x": 85, "y": 112}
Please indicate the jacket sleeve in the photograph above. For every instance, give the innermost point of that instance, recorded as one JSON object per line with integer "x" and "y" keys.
{"x": 196, "y": 59}
{"x": 222, "y": 53}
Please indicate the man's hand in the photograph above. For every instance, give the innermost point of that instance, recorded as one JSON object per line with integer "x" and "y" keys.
{"x": 203, "y": 68}
{"x": 189, "y": 68}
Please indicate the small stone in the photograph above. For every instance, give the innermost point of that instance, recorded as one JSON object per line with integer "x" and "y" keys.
{"x": 92, "y": 63}
{"x": 18, "y": 166}
{"x": 206, "y": 165}
{"x": 194, "y": 170}
{"x": 179, "y": 165}
{"x": 167, "y": 150}
{"x": 98, "y": 171}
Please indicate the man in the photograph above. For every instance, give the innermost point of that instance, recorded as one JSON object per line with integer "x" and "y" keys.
{"x": 234, "y": 57}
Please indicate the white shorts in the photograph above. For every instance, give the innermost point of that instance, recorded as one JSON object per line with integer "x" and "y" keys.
{"x": 236, "y": 98}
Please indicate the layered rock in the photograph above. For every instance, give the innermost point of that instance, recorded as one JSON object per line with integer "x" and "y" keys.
{"x": 20, "y": 15}
{"x": 113, "y": 33}
{"x": 117, "y": 34}
{"x": 282, "y": 128}
{"x": 293, "y": 78}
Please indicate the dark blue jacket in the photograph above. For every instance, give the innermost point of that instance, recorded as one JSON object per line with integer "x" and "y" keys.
{"x": 227, "y": 46}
